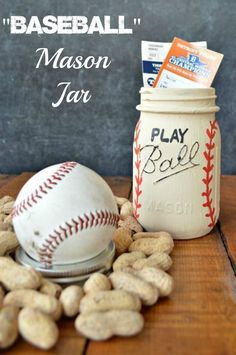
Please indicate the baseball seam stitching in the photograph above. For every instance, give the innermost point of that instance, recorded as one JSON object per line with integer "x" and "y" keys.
{"x": 208, "y": 169}
{"x": 43, "y": 189}
{"x": 75, "y": 225}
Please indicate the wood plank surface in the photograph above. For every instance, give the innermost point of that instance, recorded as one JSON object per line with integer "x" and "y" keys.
{"x": 121, "y": 186}
{"x": 5, "y": 179}
{"x": 199, "y": 317}
{"x": 228, "y": 216}
{"x": 13, "y": 186}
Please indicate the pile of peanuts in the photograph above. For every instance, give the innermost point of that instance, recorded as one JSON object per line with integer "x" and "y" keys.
{"x": 105, "y": 306}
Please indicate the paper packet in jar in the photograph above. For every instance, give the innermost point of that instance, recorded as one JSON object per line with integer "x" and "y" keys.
{"x": 153, "y": 55}
{"x": 188, "y": 66}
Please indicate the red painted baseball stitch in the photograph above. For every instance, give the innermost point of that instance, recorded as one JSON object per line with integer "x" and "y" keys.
{"x": 43, "y": 189}
{"x": 137, "y": 177}
{"x": 208, "y": 169}
{"x": 75, "y": 225}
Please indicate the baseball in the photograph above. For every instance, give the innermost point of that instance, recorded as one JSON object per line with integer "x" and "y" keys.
{"x": 64, "y": 214}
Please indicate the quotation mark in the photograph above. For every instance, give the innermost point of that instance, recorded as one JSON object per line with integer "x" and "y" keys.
{"x": 137, "y": 21}
{"x": 6, "y": 21}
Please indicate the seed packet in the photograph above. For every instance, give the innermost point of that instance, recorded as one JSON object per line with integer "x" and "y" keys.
{"x": 188, "y": 66}
{"x": 153, "y": 55}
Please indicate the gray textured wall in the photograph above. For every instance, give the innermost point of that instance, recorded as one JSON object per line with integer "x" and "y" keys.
{"x": 99, "y": 134}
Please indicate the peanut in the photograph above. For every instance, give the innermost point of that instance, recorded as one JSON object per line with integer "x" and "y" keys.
{"x": 34, "y": 299}
{"x": 8, "y": 219}
{"x": 130, "y": 223}
{"x": 50, "y": 288}
{"x": 151, "y": 245}
{"x": 103, "y": 325}
{"x": 126, "y": 210}
{"x": 8, "y": 326}
{"x": 120, "y": 200}
{"x": 150, "y": 235}
{"x": 127, "y": 259}
{"x": 122, "y": 238}
{"x": 14, "y": 276}
{"x": 2, "y": 217}
{"x": 159, "y": 260}
{"x": 70, "y": 299}
{"x": 8, "y": 242}
{"x": 158, "y": 278}
{"x": 4, "y": 226}
{"x": 7, "y": 207}
{"x": 109, "y": 300}
{"x": 97, "y": 282}
{"x": 5, "y": 199}
{"x": 125, "y": 281}
{"x": 37, "y": 328}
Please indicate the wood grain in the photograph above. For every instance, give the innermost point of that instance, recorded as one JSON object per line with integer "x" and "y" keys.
{"x": 121, "y": 186}
{"x": 228, "y": 216}
{"x": 5, "y": 179}
{"x": 13, "y": 186}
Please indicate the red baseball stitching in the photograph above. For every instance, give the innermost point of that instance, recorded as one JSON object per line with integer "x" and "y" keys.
{"x": 75, "y": 225}
{"x": 208, "y": 169}
{"x": 137, "y": 177}
{"x": 43, "y": 189}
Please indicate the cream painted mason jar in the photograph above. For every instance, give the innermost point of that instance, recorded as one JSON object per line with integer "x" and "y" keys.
{"x": 176, "y": 162}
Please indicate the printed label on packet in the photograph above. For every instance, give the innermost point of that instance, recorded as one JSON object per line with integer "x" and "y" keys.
{"x": 188, "y": 66}
{"x": 153, "y": 55}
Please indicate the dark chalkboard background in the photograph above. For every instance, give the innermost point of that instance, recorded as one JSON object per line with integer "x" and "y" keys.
{"x": 99, "y": 134}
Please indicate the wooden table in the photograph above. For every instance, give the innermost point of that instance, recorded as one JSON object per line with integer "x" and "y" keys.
{"x": 199, "y": 317}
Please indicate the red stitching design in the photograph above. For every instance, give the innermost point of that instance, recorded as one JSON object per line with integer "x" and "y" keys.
{"x": 208, "y": 169}
{"x": 75, "y": 225}
{"x": 43, "y": 189}
{"x": 137, "y": 178}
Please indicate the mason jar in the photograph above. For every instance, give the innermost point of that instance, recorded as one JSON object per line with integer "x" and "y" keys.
{"x": 176, "y": 161}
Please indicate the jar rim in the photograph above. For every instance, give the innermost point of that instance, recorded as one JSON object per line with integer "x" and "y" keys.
{"x": 178, "y": 98}
{"x": 186, "y": 92}
{"x": 187, "y": 110}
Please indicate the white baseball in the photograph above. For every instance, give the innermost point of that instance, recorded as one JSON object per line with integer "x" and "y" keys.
{"x": 66, "y": 213}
